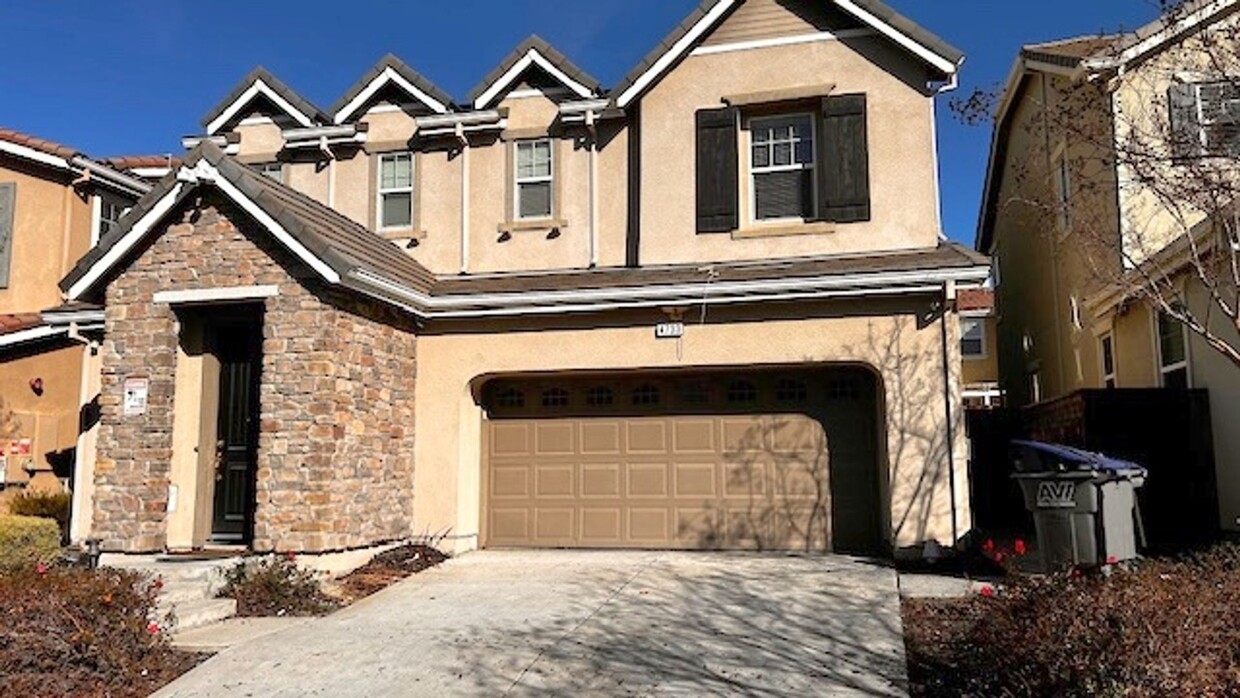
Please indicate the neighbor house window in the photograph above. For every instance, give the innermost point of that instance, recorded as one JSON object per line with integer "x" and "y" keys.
{"x": 1205, "y": 118}
{"x": 535, "y": 179}
{"x": 782, "y": 167}
{"x": 1063, "y": 194}
{"x": 1172, "y": 352}
{"x": 973, "y": 338}
{"x": 1035, "y": 387}
{"x": 109, "y": 216}
{"x": 395, "y": 203}
{"x": 272, "y": 170}
{"x": 1108, "y": 362}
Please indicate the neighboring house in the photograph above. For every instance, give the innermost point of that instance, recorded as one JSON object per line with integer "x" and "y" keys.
{"x": 1070, "y": 226}
{"x": 710, "y": 307}
{"x": 54, "y": 203}
{"x": 978, "y": 348}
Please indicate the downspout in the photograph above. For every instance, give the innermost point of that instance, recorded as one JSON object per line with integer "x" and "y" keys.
{"x": 460, "y": 135}
{"x": 949, "y": 298}
{"x": 331, "y": 172}
{"x": 592, "y": 126}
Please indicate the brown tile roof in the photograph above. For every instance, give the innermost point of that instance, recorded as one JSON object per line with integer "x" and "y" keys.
{"x": 549, "y": 52}
{"x": 132, "y": 162}
{"x": 340, "y": 242}
{"x": 289, "y": 95}
{"x": 402, "y": 69}
{"x": 35, "y": 143}
{"x": 975, "y": 299}
{"x": 16, "y": 323}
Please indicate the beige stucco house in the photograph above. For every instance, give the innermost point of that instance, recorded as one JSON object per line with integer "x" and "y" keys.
{"x": 54, "y": 203}
{"x": 710, "y": 307}
{"x": 1074, "y": 230}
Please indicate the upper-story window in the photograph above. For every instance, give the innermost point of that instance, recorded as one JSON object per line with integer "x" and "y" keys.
{"x": 395, "y": 205}
{"x": 1063, "y": 194}
{"x": 1205, "y": 118}
{"x": 1172, "y": 352}
{"x": 271, "y": 170}
{"x": 973, "y": 338}
{"x": 1109, "y": 373}
{"x": 109, "y": 217}
{"x": 782, "y": 167}
{"x": 535, "y": 179}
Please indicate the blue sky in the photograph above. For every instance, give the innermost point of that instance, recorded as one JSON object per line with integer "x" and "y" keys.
{"x": 133, "y": 76}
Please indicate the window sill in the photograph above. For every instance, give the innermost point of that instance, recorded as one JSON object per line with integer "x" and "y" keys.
{"x": 395, "y": 234}
{"x": 533, "y": 225}
{"x": 784, "y": 230}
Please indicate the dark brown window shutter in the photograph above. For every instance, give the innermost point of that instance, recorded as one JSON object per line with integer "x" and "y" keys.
{"x": 844, "y": 179}
{"x": 718, "y": 171}
{"x": 1185, "y": 129}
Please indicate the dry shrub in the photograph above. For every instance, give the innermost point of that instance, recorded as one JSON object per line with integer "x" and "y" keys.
{"x": 76, "y": 632}
{"x": 276, "y": 586}
{"x": 1163, "y": 628}
{"x": 44, "y": 505}
{"x": 26, "y": 541}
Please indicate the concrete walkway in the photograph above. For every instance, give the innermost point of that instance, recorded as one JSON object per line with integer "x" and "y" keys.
{"x": 590, "y": 623}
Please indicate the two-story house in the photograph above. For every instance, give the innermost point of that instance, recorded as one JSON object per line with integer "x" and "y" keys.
{"x": 1089, "y": 206}
{"x": 710, "y": 307}
{"x": 55, "y": 202}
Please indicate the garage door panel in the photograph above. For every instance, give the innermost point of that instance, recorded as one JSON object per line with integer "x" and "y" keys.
{"x": 646, "y": 436}
{"x": 510, "y": 525}
{"x": 647, "y": 480}
{"x": 602, "y": 525}
{"x": 554, "y": 526}
{"x": 696, "y": 480}
{"x": 649, "y": 525}
{"x": 602, "y": 480}
{"x": 555, "y": 438}
{"x": 555, "y": 482}
{"x": 745, "y": 479}
{"x": 510, "y": 439}
{"x": 509, "y": 481}
{"x": 600, "y": 438}
{"x": 694, "y": 436}
{"x": 744, "y": 435}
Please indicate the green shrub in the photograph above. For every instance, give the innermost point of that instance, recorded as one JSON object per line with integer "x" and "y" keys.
{"x": 276, "y": 586}
{"x": 44, "y": 505}
{"x": 85, "y": 633}
{"x": 26, "y": 541}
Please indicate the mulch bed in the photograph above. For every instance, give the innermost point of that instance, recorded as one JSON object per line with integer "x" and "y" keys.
{"x": 387, "y": 569}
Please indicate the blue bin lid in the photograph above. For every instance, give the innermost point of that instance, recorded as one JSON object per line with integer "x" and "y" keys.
{"x": 1084, "y": 460}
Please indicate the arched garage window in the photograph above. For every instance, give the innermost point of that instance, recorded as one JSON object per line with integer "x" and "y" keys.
{"x": 600, "y": 396}
{"x": 555, "y": 397}
{"x": 790, "y": 390}
{"x": 742, "y": 392}
{"x": 646, "y": 394}
{"x": 510, "y": 397}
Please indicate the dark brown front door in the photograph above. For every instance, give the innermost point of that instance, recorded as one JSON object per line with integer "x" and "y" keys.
{"x": 235, "y": 342}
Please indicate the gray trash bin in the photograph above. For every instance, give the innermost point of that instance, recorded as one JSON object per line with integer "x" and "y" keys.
{"x": 1084, "y": 504}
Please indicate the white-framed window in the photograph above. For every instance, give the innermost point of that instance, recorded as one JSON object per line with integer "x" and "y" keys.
{"x": 107, "y": 213}
{"x": 271, "y": 170}
{"x": 1063, "y": 194}
{"x": 534, "y": 187}
{"x": 395, "y": 191}
{"x": 1035, "y": 387}
{"x": 782, "y": 172}
{"x": 1074, "y": 313}
{"x": 973, "y": 337}
{"x": 1172, "y": 352}
{"x": 1106, "y": 352}
{"x": 1215, "y": 116}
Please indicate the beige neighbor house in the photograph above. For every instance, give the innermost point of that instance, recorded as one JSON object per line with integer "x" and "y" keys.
{"x": 55, "y": 202}
{"x": 1073, "y": 230}
{"x": 979, "y": 348}
{"x": 709, "y": 308}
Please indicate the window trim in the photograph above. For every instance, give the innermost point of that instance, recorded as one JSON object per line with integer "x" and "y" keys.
{"x": 1163, "y": 368}
{"x": 517, "y": 180}
{"x": 1062, "y": 189}
{"x": 99, "y": 203}
{"x": 1110, "y": 381}
{"x": 262, "y": 168}
{"x": 380, "y": 191}
{"x": 980, "y": 319}
{"x": 752, "y": 171}
{"x": 1202, "y": 127}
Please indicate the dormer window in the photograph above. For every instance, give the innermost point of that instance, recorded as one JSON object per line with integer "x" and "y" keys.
{"x": 782, "y": 167}
{"x": 535, "y": 179}
{"x": 395, "y": 205}
{"x": 271, "y": 170}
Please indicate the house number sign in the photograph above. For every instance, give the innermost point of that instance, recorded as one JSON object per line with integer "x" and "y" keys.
{"x": 669, "y": 330}
{"x": 136, "y": 390}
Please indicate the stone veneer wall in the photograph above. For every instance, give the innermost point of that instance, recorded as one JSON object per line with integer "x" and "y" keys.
{"x": 335, "y": 453}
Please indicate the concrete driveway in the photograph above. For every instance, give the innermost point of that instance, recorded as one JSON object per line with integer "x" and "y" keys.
{"x": 579, "y": 623}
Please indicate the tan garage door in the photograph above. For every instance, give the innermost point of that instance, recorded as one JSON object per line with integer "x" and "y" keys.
{"x": 724, "y": 469}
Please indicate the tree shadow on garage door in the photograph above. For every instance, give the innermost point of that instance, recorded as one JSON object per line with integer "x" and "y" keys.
{"x": 717, "y": 623}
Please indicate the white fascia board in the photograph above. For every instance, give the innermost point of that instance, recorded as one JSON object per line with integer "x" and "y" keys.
{"x": 382, "y": 79}
{"x": 259, "y": 87}
{"x": 649, "y": 296}
{"x": 151, "y": 172}
{"x": 783, "y": 41}
{"x": 201, "y": 172}
{"x": 216, "y": 295}
{"x": 942, "y": 64}
{"x": 59, "y": 318}
{"x": 39, "y": 156}
{"x": 679, "y": 49}
{"x": 32, "y": 334}
{"x": 531, "y": 57}
{"x": 1171, "y": 32}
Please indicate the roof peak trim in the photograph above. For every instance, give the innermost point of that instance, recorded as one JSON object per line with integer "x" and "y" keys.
{"x": 260, "y": 82}
{"x": 390, "y": 70}
{"x": 534, "y": 52}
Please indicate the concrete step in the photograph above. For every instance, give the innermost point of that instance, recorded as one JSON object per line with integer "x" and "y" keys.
{"x": 177, "y": 592}
{"x": 197, "y": 613}
{"x": 218, "y": 637}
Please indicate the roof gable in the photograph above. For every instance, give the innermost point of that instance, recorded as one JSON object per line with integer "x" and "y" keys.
{"x": 533, "y": 54}
{"x": 390, "y": 73}
{"x": 261, "y": 84}
{"x": 690, "y": 33}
